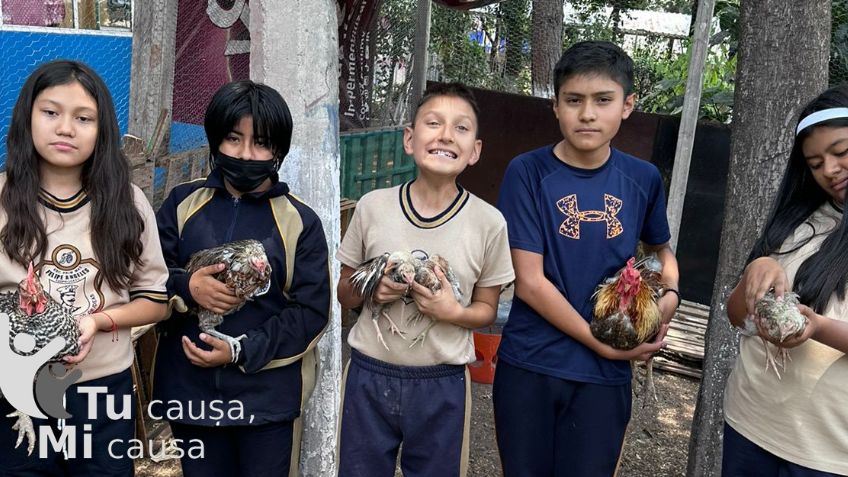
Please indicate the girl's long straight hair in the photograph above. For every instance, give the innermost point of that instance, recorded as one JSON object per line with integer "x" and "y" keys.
{"x": 116, "y": 224}
{"x": 826, "y": 271}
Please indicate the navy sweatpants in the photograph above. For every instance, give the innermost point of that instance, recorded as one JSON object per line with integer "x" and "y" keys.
{"x": 234, "y": 451}
{"x": 106, "y": 434}
{"x": 548, "y": 426}
{"x": 426, "y": 408}
{"x": 742, "y": 458}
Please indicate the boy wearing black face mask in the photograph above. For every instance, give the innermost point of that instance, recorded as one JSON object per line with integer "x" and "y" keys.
{"x": 245, "y": 414}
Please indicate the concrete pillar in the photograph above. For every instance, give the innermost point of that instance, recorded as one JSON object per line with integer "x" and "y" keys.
{"x": 294, "y": 48}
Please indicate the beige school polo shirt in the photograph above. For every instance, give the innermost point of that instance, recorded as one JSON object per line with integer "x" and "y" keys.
{"x": 69, "y": 270}
{"x": 470, "y": 234}
{"x": 803, "y": 416}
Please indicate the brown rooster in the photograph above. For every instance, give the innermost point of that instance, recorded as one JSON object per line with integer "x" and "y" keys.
{"x": 626, "y": 311}
{"x": 34, "y": 313}
{"x": 247, "y": 273}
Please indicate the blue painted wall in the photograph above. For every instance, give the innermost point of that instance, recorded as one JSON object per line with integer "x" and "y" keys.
{"x": 23, "y": 51}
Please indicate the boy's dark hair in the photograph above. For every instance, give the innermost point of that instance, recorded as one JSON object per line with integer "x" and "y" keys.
{"x": 595, "y": 57}
{"x": 825, "y": 271}
{"x": 116, "y": 224}
{"x": 455, "y": 89}
{"x": 272, "y": 119}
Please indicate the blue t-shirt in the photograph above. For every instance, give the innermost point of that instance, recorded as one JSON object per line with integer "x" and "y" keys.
{"x": 585, "y": 223}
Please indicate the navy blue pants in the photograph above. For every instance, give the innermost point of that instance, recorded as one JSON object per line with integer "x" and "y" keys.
{"x": 106, "y": 434}
{"x": 743, "y": 458}
{"x": 548, "y": 426}
{"x": 425, "y": 408}
{"x": 262, "y": 451}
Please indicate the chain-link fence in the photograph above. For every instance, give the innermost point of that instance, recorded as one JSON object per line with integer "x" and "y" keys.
{"x": 96, "y": 32}
{"x": 839, "y": 42}
{"x": 77, "y": 14}
{"x": 513, "y": 45}
{"x": 212, "y": 49}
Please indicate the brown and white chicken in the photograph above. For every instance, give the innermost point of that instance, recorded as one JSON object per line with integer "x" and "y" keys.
{"x": 33, "y": 312}
{"x": 426, "y": 276}
{"x": 626, "y": 312}
{"x": 400, "y": 267}
{"x": 247, "y": 272}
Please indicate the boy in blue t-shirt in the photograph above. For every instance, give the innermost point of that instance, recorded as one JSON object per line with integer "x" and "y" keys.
{"x": 576, "y": 212}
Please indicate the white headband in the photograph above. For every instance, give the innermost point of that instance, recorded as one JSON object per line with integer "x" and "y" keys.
{"x": 821, "y": 116}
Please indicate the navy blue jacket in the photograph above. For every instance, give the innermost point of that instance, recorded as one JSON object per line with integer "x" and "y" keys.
{"x": 276, "y": 369}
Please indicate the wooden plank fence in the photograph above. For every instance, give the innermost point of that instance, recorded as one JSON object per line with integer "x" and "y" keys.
{"x": 684, "y": 353}
{"x": 373, "y": 159}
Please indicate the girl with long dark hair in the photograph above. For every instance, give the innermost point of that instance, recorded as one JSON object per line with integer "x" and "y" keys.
{"x": 67, "y": 206}
{"x": 796, "y": 423}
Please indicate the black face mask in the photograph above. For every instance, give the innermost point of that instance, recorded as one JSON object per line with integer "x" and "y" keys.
{"x": 244, "y": 175}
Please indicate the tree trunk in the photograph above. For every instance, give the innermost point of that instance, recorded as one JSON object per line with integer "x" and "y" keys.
{"x": 546, "y": 45}
{"x": 783, "y": 53}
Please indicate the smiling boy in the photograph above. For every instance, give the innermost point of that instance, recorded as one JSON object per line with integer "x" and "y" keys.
{"x": 576, "y": 212}
{"x": 402, "y": 391}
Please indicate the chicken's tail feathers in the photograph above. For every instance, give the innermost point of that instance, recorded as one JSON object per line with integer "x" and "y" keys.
{"x": 367, "y": 276}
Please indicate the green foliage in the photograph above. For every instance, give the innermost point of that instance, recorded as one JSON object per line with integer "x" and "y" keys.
{"x": 490, "y": 48}
{"x": 393, "y": 42}
{"x": 459, "y": 58}
{"x": 665, "y": 84}
{"x": 504, "y": 29}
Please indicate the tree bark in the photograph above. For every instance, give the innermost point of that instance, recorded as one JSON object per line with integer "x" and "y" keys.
{"x": 152, "y": 69}
{"x": 783, "y": 55}
{"x": 546, "y": 45}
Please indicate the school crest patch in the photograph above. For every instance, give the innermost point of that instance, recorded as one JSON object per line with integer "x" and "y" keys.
{"x": 71, "y": 280}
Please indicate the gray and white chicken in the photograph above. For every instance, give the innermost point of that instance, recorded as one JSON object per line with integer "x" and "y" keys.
{"x": 33, "y": 312}
{"x": 247, "y": 272}
{"x": 400, "y": 267}
{"x": 780, "y": 319}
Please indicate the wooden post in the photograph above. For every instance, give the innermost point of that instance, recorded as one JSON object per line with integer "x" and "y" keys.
{"x": 152, "y": 73}
{"x": 419, "y": 54}
{"x": 689, "y": 117}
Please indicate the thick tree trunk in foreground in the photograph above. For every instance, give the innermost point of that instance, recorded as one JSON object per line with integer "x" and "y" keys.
{"x": 783, "y": 57}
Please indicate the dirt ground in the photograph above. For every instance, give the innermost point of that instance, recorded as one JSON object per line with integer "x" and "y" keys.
{"x": 656, "y": 444}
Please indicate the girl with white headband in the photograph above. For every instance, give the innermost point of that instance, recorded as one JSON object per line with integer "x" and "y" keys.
{"x": 795, "y": 423}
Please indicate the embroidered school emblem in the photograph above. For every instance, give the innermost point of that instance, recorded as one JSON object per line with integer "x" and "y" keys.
{"x": 570, "y": 227}
{"x": 71, "y": 280}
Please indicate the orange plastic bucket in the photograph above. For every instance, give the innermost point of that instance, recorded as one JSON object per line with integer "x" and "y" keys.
{"x": 486, "y": 350}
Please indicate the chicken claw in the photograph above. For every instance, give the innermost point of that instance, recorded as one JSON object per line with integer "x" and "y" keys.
{"x": 25, "y": 429}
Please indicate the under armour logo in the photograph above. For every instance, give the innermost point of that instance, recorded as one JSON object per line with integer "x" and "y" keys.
{"x": 570, "y": 227}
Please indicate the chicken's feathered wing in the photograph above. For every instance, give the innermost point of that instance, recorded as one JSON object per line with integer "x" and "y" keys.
{"x": 247, "y": 272}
